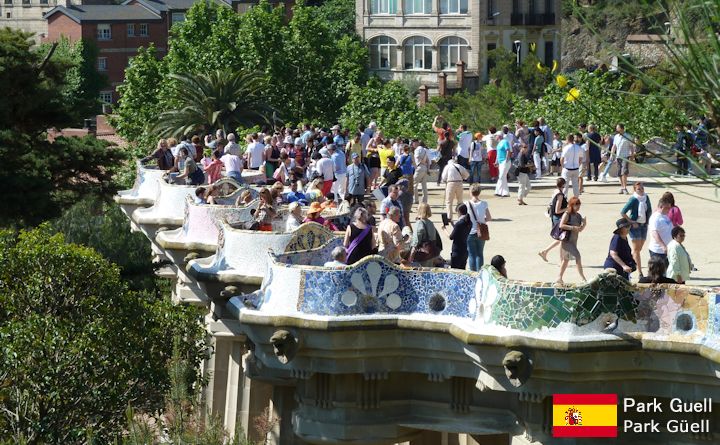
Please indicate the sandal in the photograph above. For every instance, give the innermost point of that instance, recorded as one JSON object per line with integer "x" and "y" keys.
{"x": 543, "y": 255}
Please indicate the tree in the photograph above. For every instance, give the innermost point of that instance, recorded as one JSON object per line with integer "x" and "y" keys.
{"x": 77, "y": 346}
{"x": 219, "y": 99}
{"x": 490, "y": 106}
{"x": 525, "y": 80}
{"x": 140, "y": 95}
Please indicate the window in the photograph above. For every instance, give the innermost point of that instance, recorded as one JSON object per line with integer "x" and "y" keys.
{"x": 383, "y": 7}
{"x": 452, "y": 49}
{"x": 8, "y": 2}
{"x": 382, "y": 53}
{"x": 177, "y": 17}
{"x": 102, "y": 63}
{"x": 453, "y": 6}
{"x": 549, "y": 50}
{"x": 418, "y": 6}
{"x": 143, "y": 30}
{"x": 8, "y": 15}
{"x": 491, "y": 59}
{"x": 106, "y": 97}
{"x": 516, "y": 7}
{"x": 549, "y": 7}
{"x": 131, "y": 30}
{"x": 43, "y": 2}
{"x": 26, "y": 2}
{"x": 492, "y": 9}
{"x": 418, "y": 53}
{"x": 103, "y": 31}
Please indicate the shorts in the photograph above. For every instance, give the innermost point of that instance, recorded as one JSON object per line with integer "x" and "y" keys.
{"x": 373, "y": 162}
{"x": 623, "y": 167}
{"x": 639, "y": 232}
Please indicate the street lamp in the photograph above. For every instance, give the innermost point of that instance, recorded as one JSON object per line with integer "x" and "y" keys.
{"x": 518, "y": 46}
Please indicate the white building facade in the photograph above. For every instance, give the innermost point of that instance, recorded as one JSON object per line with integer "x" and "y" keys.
{"x": 27, "y": 15}
{"x": 422, "y": 38}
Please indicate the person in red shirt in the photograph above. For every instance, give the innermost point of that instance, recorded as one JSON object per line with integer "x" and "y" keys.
{"x": 442, "y": 129}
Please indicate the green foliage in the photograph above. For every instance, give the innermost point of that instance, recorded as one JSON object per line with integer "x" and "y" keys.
{"x": 390, "y": 105}
{"x": 605, "y": 101}
{"x": 76, "y": 346}
{"x": 490, "y": 106}
{"x": 525, "y": 80}
{"x": 83, "y": 82}
{"x": 219, "y": 99}
{"x": 140, "y": 95}
{"x": 339, "y": 15}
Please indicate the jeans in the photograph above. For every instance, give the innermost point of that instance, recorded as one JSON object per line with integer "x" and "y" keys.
{"x": 475, "y": 252}
{"x": 592, "y": 165}
{"x": 683, "y": 164}
{"x": 236, "y": 175}
{"x": 442, "y": 162}
{"x": 475, "y": 167}
{"x": 463, "y": 161}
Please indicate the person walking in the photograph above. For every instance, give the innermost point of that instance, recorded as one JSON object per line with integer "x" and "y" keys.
{"x": 464, "y": 139}
{"x": 523, "y": 175}
{"x": 594, "y": 154}
{"x": 557, "y": 208}
{"x": 358, "y": 179}
{"x": 339, "y": 187}
{"x": 422, "y": 167}
{"x": 674, "y": 214}
{"x": 453, "y": 177}
{"x": 503, "y": 164}
{"x": 679, "y": 263}
{"x": 660, "y": 230}
{"x": 620, "y": 255}
{"x": 538, "y": 151}
{"x": 571, "y": 159}
{"x": 479, "y": 213}
{"x": 459, "y": 236}
{"x": 477, "y": 155}
{"x": 445, "y": 147}
{"x": 640, "y": 210}
{"x": 624, "y": 150}
{"x": 573, "y": 223}
{"x": 491, "y": 142}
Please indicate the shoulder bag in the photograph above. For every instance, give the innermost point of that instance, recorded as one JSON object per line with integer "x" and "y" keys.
{"x": 483, "y": 232}
{"x": 426, "y": 249}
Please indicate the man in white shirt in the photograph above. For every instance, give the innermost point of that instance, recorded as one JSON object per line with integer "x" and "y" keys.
{"x": 464, "y": 139}
{"x": 453, "y": 176}
{"x": 326, "y": 168}
{"x": 232, "y": 147}
{"x": 571, "y": 159}
{"x": 255, "y": 153}
{"x": 422, "y": 166}
{"x": 660, "y": 230}
{"x": 233, "y": 166}
{"x": 624, "y": 149}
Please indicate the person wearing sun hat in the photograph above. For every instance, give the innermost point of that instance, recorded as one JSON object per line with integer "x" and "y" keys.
{"x": 619, "y": 253}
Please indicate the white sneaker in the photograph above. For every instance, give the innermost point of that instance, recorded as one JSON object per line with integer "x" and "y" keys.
{"x": 603, "y": 177}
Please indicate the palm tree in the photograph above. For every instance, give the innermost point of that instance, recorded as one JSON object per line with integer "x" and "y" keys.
{"x": 219, "y": 99}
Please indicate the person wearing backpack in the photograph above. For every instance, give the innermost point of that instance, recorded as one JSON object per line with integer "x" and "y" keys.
{"x": 407, "y": 166}
{"x": 682, "y": 148}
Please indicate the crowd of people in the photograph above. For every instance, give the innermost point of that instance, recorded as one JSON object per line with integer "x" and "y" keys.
{"x": 313, "y": 169}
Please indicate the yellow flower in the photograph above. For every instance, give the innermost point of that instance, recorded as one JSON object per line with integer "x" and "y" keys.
{"x": 572, "y": 95}
{"x": 533, "y": 46}
{"x": 555, "y": 66}
{"x": 561, "y": 81}
{"x": 540, "y": 67}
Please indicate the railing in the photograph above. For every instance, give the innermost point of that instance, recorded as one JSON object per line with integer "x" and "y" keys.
{"x": 517, "y": 19}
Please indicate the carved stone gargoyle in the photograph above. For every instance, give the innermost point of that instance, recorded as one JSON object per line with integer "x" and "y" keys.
{"x": 285, "y": 345}
{"x": 518, "y": 367}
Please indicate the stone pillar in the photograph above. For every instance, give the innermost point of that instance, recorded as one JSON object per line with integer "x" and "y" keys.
{"x": 234, "y": 387}
{"x": 216, "y": 369}
{"x": 254, "y": 401}
{"x": 282, "y": 404}
{"x": 461, "y": 74}
{"x": 422, "y": 95}
{"x": 442, "y": 84}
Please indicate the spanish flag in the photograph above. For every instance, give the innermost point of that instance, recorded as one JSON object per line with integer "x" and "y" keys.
{"x": 584, "y": 415}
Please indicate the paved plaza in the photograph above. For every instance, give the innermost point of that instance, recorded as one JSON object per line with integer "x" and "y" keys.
{"x": 519, "y": 232}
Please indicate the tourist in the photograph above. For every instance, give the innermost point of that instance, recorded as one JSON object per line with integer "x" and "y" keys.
{"x": 371, "y": 209}
{"x": 573, "y": 223}
{"x": 444, "y": 131}
{"x": 373, "y": 157}
{"x": 339, "y": 256}
{"x": 391, "y": 175}
{"x": 278, "y": 191}
{"x": 640, "y": 210}
{"x": 391, "y": 200}
{"x": 679, "y": 263}
{"x": 523, "y": 174}
{"x": 459, "y": 236}
{"x": 682, "y": 147}
{"x": 265, "y": 211}
{"x": 446, "y": 149}
{"x": 594, "y": 141}
{"x": 192, "y": 174}
{"x": 522, "y": 133}
{"x": 556, "y": 209}
{"x": 162, "y": 155}
{"x": 624, "y": 150}
{"x": 337, "y": 138}
{"x": 272, "y": 156}
{"x": 509, "y": 136}
{"x": 498, "y": 262}
{"x": 556, "y": 154}
{"x": 657, "y": 270}
{"x": 255, "y": 153}
{"x": 464, "y": 139}
{"x": 385, "y": 152}
{"x": 479, "y": 213}
{"x": 296, "y": 193}
{"x": 354, "y": 146}
{"x": 503, "y": 163}
{"x": 195, "y": 146}
{"x": 201, "y": 194}
{"x": 406, "y": 200}
{"x": 453, "y": 177}
{"x": 674, "y": 214}
{"x": 422, "y": 168}
{"x": 491, "y": 143}
{"x": 620, "y": 256}
{"x": 358, "y": 179}
{"x": 538, "y": 151}
{"x": 426, "y": 242}
{"x": 660, "y": 229}
{"x": 390, "y": 239}
{"x": 580, "y": 142}
{"x": 339, "y": 187}
{"x": 608, "y": 158}
{"x": 345, "y": 205}
{"x": 232, "y": 147}
{"x": 244, "y": 199}
{"x": 359, "y": 240}
{"x": 406, "y": 165}
{"x": 233, "y": 166}
{"x": 571, "y": 159}
{"x": 213, "y": 169}
{"x": 477, "y": 156}
{"x": 285, "y": 173}
{"x": 294, "y": 219}
{"x": 325, "y": 168}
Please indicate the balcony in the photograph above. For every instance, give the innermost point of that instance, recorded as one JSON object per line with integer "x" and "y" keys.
{"x": 517, "y": 19}
{"x": 539, "y": 19}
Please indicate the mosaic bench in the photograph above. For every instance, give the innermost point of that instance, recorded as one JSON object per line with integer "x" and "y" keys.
{"x": 144, "y": 189}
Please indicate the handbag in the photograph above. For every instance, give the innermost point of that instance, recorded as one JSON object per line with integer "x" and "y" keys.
{"x": 427, "y": 249}
{"x": 557, "y": 233}
{"x": 483, "y": 231}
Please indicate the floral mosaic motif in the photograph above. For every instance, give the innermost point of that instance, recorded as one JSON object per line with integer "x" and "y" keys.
{"x": 309, "y": 236}
{"x": 715, "y": 319}
{"x": 313, "y": 257}
{"x": 375, "y": 285}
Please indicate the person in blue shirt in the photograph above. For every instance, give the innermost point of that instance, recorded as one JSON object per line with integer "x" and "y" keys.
{"x": 296, "y": 194}
{"x": 339, "y": 187}
{"x": 503, "y": 164}
{"x": 337, "y": 138}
